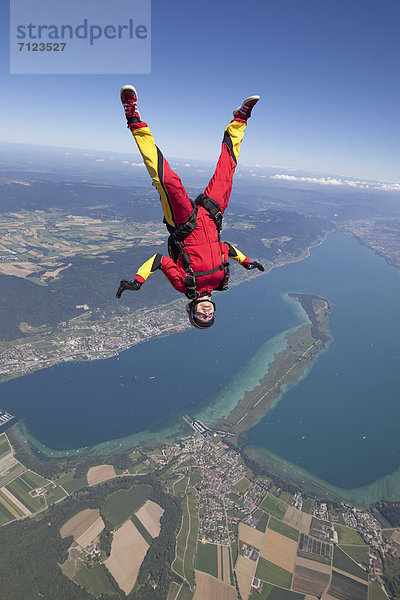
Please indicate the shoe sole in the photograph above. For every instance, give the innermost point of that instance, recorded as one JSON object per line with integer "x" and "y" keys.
{"x": 248, "y": 99}
{"x": 128, "y": 87}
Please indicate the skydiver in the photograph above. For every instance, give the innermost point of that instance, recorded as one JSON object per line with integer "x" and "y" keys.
{"x": 198, "y": 262}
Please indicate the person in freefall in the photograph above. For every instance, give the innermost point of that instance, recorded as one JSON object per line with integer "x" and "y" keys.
{"x": 197, "y": 263}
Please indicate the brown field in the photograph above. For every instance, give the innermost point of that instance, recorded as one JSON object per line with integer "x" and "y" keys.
{"x": 55, "y": 272}
{"x": 100, "y": 473}
{"x": 149, "y": 515}
{"x": 245, "y": 570}
{"x": 22, "y": 270}
{"x": 91, "y": 533}
{"x": 251, "y": 536}
{"x": 298, "y": 519}
{"x": 128, "y": 550}
{"x": 226, "y": 571}
{"x": 311, "y": 582}
{"x": 79, "y": 523}
{"x": 219, "y": 562}
{"x": 279, "y": 550}
{"x": 396, "y": 536}
{"x": 313, "y": 565}
{"x": 209, "y": 588}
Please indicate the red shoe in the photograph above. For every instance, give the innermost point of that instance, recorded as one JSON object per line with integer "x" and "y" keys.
{"x": 129, "y": 100}
{"x": 244, "y": 111}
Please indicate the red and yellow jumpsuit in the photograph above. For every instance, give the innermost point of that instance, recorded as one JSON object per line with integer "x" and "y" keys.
{"x": 203, "y": 247}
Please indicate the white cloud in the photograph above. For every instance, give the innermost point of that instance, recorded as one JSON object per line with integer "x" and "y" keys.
{"x": 335, "y": 181}
{"x": 99, "y": 159}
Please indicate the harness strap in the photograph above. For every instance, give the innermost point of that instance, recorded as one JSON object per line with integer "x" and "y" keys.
{"x": 180, "y": 233}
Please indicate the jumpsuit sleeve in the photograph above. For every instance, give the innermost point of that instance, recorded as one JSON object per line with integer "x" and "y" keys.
{"x": 174, "y": 274}
{"x": 234, "y": 253}
{"x": 149, "y": 267}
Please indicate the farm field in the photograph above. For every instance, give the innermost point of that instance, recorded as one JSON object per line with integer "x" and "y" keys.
{"x": 173, "y": 590}
{"x": 274, "y": 507}
{"x": 298, "y": 519}
{"x": 344, "y": 563}
{"x": 307, "y": 505}
{"x": 267, "y": 571}
{"x": 207, "y": 559}
{"x": 128, "y": 549}
{"x": 345, "y": 588}
{"x": 263, "y": 522}
{"x": 20, "y": 490}
{"x": 284, "y": 529}
{"x": 41, "y": 244}
{"x": 4, "y": 445}
{"x": 278, "y": 593}
{"x": 186, "y": 541}
{"x": 279, "y": 550}
{"x": 94, "y": 579}
{"x": 245, "y": 570}
{"x": 242, "y": 485}
{"x": 251, "y": 536}
{"x": 310, "y": 581}
{"x": 360, "y": 554}
{"x": 210, "y": 588}
{"x": 100, "y": 473}
{"x": 8, "y": 510}
{"x": 346, "y": 535}
{"x": 375, "y": 592}
{"x": 120, "y": 505}
{"x": 80, "y": 523}
{"x": 150, "y": 515}
{"x": 179, "y": 487}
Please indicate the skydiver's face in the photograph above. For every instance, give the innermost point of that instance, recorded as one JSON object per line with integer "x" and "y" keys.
{"x": 204, "y": 311}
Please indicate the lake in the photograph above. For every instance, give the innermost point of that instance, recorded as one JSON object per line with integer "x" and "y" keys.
{"x": 340, "y": 422}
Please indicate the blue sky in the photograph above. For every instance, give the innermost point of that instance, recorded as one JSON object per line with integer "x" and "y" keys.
{"x": 327, "y": 72}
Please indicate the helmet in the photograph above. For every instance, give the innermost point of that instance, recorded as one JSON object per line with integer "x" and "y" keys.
{"x": 194, "y": 320}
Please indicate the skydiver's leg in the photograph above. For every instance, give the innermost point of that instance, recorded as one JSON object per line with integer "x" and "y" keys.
{"x": 220, "y": 185}
{"x": 175, "y": 202}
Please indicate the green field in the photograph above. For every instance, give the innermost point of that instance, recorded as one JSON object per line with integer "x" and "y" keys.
{"x": 180, "y": 486}
{"x": 185, "y": 593}
{"x": 70, "y": 484}
{"x": 375, "y": 592}
{"x": 286, "y": 530}
{"x": 195, "y": 477}
{"x": 191, "y": 547}
{"x": 186, "y": 541}
{"x": 34, "y": 480}
{"x": 120, "y": 505}
{"x": 265, "y": 592}
{"x": 263, "y": 522}
{"x": 360, "y": 554}
{"x": 173, "y": 590}
{"x": 280, "y": 594}
{"x": 4, "y": 446}
{"x": 54, "y": 494}
{"x": 206, "y": 559}
{"x": 273, "y": 506}
{"x": 344, "y": 563}
{"x": 242, "y": 485}
{"x": 346, "y": 535}
{"x": 267, "y": 571}
{"x": 20, "y": 489}
{"x": 307, "y": 505}
{"x": 94, "y": 579}
{"x": 344, "y": 588}
{"x": 5, "y": 515}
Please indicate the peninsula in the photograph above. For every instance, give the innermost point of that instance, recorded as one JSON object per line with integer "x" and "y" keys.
{"x": 303, "y": 348}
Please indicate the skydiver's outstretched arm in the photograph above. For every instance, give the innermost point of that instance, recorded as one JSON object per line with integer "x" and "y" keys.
{"x": 242, "y": 259}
